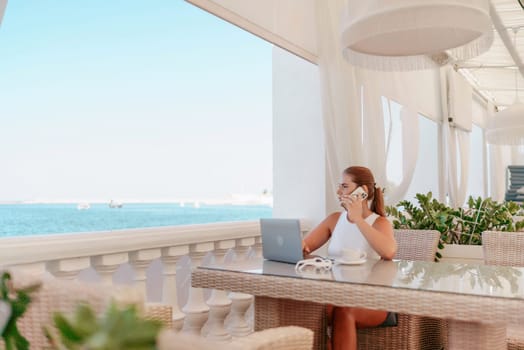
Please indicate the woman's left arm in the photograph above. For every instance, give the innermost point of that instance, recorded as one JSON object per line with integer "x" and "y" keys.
{"x": 379, "y": 236}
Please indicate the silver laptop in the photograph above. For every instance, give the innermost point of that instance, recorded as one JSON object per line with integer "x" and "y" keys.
{"x": 281, "y": 240}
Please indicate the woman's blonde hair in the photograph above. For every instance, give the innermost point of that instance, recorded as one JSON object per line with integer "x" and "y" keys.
{"x": 363, "y": 176}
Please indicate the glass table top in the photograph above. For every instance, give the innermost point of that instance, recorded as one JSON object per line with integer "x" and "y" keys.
{"x": 460, "y": 278}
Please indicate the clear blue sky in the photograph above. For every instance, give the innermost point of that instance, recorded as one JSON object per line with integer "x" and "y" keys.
{"x": 134, "y": 99}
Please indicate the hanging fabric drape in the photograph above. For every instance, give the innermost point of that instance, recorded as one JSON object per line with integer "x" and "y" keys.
{"x": 375, "y": 150}
{"x": 456, "y": 140}
{"x": 507, "y": 127}
{"x": 378, "y": 145}
{"x": 352, "y": 111}
{"x": 410, "y": 141}
{"x": 340, "y": 100}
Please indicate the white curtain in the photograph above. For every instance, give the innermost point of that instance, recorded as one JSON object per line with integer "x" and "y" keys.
{"x": 500, "y": 156}
{"x": 458, "y": 144}
{"x": 377, "y": 151}
{"x": 410, "y": 142}
{"x": 352, "y": 110}
{"x": 340, "y": 99}
{"x": 456, "y": 147}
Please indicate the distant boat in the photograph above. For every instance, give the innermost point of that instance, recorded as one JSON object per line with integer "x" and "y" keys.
{"x": 114, "y": 204}
{"x": 182, "y": 204}
{"x": 196, "y": 205}
{"x": 83, "y": 206}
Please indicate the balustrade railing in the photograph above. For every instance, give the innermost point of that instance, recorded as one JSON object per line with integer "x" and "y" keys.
{"x": 66, "y": 256}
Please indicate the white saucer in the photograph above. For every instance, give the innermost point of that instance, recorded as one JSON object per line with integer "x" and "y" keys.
{"x": 350, "y": 262}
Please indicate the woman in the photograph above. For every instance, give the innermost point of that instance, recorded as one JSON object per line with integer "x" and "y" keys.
{"x": 361, "y": 225}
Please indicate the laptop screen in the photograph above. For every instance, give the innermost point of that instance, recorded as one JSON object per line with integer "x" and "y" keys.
{"x": 281, "y": 240}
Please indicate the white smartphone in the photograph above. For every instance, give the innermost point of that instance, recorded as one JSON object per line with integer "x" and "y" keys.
{"x": 359, "y": 192}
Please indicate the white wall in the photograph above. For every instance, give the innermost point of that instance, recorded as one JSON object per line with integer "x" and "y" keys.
{"x": 298, "y": 139}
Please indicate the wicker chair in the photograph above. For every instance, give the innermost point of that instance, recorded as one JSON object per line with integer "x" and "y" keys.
{"x": 506, "y": 249}
{"x": 57, "y": 295}
{"x": 280, "y": 338}
{"x": 53, "y": 296}
{"x": 411, "y": 332}
{"x": 64, "y": 295}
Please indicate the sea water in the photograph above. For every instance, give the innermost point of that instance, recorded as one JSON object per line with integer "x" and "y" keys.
{"x": 40, "y": 219}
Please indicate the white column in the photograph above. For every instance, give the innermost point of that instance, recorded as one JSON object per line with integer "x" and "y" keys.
{"x": 258, "y": 246}
{"x": 106, "y": 265}
{"x": 219, "y": 303}
{"x": 196, "y": 309}
{"x": 140, "y": 261}
{"x": 237, "y": 324}
{"x": 68, "y": 268}
{"x": 243, "y": 245}
{"x": 170, "y": 257}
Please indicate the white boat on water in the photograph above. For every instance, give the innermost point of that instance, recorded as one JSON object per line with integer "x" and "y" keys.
{"x": 83, "y": 206}
{"x": 115, "y": 204}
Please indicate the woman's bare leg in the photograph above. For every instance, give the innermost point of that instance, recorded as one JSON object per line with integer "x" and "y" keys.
{"x": 345, "y": 322}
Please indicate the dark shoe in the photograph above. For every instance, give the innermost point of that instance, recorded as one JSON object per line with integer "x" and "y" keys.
{"x": 390, "y": 321}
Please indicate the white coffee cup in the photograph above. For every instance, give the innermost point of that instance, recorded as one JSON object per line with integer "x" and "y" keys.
{"x": 352, "y": 254}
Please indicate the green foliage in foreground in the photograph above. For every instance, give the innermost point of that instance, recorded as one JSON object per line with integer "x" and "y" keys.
{"x": 456, "y": 225}
{"x": 118, "y": 329}
{"x": 19, "y": 300}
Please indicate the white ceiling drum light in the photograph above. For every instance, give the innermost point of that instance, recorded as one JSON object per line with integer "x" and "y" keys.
{"x": 398, "y": 35}
{"x": 507, "y": 126}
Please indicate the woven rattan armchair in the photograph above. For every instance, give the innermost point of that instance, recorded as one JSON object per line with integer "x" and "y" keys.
{"x": 280, "y": 338}
{"x": 53, "y": 296}
{"x": 411, "y": 332}
{"x": 506, "y": 249}
{"x": 63, "y": 296}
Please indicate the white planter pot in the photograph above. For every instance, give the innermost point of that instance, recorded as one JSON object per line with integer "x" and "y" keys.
{"x": 462, "y": 253}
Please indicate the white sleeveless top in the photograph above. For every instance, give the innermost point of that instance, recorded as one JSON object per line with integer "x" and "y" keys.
{"x": 347, "y": 235}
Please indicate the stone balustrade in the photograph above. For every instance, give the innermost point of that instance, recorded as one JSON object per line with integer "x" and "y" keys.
{"x": 68, "y": 256}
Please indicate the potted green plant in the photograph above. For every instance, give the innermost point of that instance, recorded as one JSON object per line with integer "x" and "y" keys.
{"x": 118, "y": 329}
{"x": 13, "y": 304}
{"x": 462, "y": 226}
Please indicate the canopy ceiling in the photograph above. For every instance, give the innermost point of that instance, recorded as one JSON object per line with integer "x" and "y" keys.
{"x": 493, "y": 73}
{"x": 291, "y": 25}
